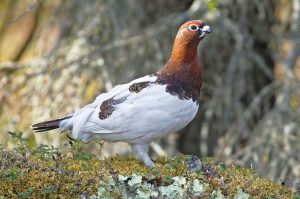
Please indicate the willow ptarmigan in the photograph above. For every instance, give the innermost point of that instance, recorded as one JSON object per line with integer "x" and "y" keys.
{"x": 146, "y": 108}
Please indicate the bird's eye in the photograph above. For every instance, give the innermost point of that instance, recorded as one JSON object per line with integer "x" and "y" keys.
{"x": 193, "y": 27}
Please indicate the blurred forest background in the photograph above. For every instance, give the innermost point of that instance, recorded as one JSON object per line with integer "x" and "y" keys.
{"x": 56, "y": 56}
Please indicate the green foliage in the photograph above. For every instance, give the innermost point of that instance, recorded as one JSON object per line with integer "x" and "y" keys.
{"x": 80, "y": 153}
{"x": 18, "y": 138}
{"x": 44, "y": 152}
{"x": 222, "y": 166}
{"x": 27, "y": 194}
{"x": 212, "y": 5}
{"x": 48, "y": 190}
{"x": 10, "y": 174}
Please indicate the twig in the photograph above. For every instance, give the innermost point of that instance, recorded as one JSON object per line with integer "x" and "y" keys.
{"x": 29, "y": 9}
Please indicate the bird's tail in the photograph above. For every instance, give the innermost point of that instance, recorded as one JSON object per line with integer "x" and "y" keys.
{"x": 48, "y": 125}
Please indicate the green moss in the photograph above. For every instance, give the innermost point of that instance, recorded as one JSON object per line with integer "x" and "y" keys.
{"x": 46, "y": 172}
{"x": 11, "y": 174}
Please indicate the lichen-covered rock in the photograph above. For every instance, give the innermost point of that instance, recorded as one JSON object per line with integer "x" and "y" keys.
{"x": 193, "y": 164}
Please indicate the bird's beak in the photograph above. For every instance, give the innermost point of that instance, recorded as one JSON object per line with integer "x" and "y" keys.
{"x": 205, "y": 30}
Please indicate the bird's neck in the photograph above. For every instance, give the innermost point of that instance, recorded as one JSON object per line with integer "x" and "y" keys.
{"x": 184, "y": 58}
{"x": 184, "y": 53}
{"x": 182, "y": 73}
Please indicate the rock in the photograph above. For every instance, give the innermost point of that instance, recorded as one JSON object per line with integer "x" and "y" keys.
{"x": 193, "y": 164}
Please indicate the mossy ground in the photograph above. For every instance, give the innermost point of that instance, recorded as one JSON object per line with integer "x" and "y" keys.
{"x": 46, "y": 172}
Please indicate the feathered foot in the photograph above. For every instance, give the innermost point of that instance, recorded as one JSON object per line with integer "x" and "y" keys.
{"x": 141, "y": 151}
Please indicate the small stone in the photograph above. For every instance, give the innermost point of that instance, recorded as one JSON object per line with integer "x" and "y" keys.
{"x": 210, "y": 172}
{"x": 84, "y": 195}
{"x": 69, "y": 173}
{"x": 193, "y": 164}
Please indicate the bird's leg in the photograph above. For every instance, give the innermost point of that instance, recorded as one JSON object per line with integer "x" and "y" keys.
{"x": 141, "y": 151}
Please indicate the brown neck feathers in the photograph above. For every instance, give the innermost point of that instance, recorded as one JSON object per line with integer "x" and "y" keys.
{"x": 182, "y": 73}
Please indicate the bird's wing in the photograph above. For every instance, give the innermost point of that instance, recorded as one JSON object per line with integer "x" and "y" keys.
{"x": 94, "y": 117}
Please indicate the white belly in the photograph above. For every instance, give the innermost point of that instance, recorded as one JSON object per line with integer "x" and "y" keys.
{"x": 146, "y": 116}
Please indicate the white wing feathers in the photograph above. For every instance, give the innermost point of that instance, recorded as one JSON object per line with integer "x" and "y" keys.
{"x": 136, "y": 114}
{"x": 86, "y": 120}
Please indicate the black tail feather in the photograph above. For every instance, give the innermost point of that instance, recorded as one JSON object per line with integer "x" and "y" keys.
{"x": 48, "y": 125}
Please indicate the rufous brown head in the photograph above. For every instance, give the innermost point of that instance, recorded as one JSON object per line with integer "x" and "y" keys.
{"x": 187, "y": 39}
{"x": 192, "y": 31}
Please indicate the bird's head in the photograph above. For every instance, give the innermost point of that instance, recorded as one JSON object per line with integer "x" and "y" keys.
{"x": 192, "y": 31}
{"x": 186, "y": 42}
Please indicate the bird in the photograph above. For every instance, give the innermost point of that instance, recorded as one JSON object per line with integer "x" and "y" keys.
{"x": 146, "y": 108}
